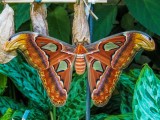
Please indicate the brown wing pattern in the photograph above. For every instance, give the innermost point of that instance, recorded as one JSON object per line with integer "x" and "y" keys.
{"x": 108, "y": 57}
{"x": 53, "y": 59}
{"x": 105, "y": 61}
{"x": 56, "y": 80}
{"x": 102, "y": 80}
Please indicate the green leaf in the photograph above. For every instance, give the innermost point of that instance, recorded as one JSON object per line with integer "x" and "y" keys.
{"x": 121, "y": 100}
{"x": 7, "y": 115}
{"x": 21, "y": 14}
{"x": 75, "y": 106}
{"x": 25, "y": 27}
{"x": 59, "y": 24}
{"x": 27, "y": 80}
{"x": 146, "y": 12}
{"x": 142, "y": 60}
{"x": 127, "y": 22}
{"x": 1, "y": 7}
{"x": 112, "y": 106}
{"x": 34, "y": 114}
{"x": 19, "y": 110}
{"x": 128, "y": 116}
{"x": 3, "y": 83}
{"x": 125, "y": 87}
{"x": 140, "y": 27}
{"x": 146, "y": 100}
{"x": 99, "y": 116}
{"x": 6, "y": 103}
{"x": 138, "y": 55}
{"x": 107, "y": 16}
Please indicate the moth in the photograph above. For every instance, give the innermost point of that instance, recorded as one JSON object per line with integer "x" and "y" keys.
{"x": 104, "y": 59}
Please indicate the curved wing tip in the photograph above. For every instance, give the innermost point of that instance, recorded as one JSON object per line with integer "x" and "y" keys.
{"x": 100, "y": 104}
{"x": 59, "y": 104}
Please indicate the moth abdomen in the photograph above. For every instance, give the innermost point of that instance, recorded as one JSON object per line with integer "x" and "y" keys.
{"x": 80, "y": 64}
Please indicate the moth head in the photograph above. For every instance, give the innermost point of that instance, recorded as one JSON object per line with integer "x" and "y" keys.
{"x": 80, "y": 49}
{"x": 143, "y": 40}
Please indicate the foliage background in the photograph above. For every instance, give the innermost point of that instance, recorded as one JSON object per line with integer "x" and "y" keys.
{"x": 137, "y": 95}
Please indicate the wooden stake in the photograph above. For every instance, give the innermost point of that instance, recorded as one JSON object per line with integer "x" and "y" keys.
{"x": 51, "y": 1}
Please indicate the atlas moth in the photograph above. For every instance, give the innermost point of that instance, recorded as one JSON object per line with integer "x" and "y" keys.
{"x": 104, "y": 59}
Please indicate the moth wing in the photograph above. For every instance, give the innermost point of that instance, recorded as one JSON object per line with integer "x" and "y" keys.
{"x": 40, "y": 51}
{"x": 52, "y": 58}
{"x": 56, "y": 80}
{"x": 118, "y": 50}
{"x": 102, "y": 81}
{"x": 106, "y": 59}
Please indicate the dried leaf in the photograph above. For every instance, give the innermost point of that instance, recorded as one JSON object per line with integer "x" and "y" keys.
{"x": 80, "y": 24}
{"x": 6, "y": 30}
{"x": 38, "y": 16}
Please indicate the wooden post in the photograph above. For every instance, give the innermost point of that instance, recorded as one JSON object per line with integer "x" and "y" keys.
{"x": 51, "y": 1}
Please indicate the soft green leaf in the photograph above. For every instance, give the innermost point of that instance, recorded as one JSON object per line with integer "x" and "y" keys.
{"x": 121, "y": 100}
{"x": 76, "y": 103}
{"x": 34, "y": 114}
{"x": 155, "y": 55}
{"x": 21, "y": 14}
{"x": 128, "y": 79}
{"x": 7, "y": 115}
{"x": 107, "y": 17}
{"x": 112, "y": 107}
{"x": 3, "y": 83}
{"x": 142, "y": 60}
{"x": 125, "y": 87}
{"x": 139, "y": 27}
{"x": 146, "y": 100}
{"x": 99, "y": 116}
{"x": 138, "y": 55}
{"x": 19, "y": 109}
{"x": 59, "y": 24}
{"x": 6, "y": 103}
{"x": 146, "y": 12}
{"x": 127, "y": 22}
{"x": 25, "y": 27}
{"x": 128, "y": 116}
{"x": 1, "y": 7}
{"x": 27, "y": 80}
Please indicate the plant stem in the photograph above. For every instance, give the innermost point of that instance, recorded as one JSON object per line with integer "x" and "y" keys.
{"x": 88, "y": 102}
{"x": 51, "y": 115}
{"x": 88, "y": 97}
{"x": 54, "y": 113}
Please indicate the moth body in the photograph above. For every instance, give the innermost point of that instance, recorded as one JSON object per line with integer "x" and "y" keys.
{"x": 80, "y": 62}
